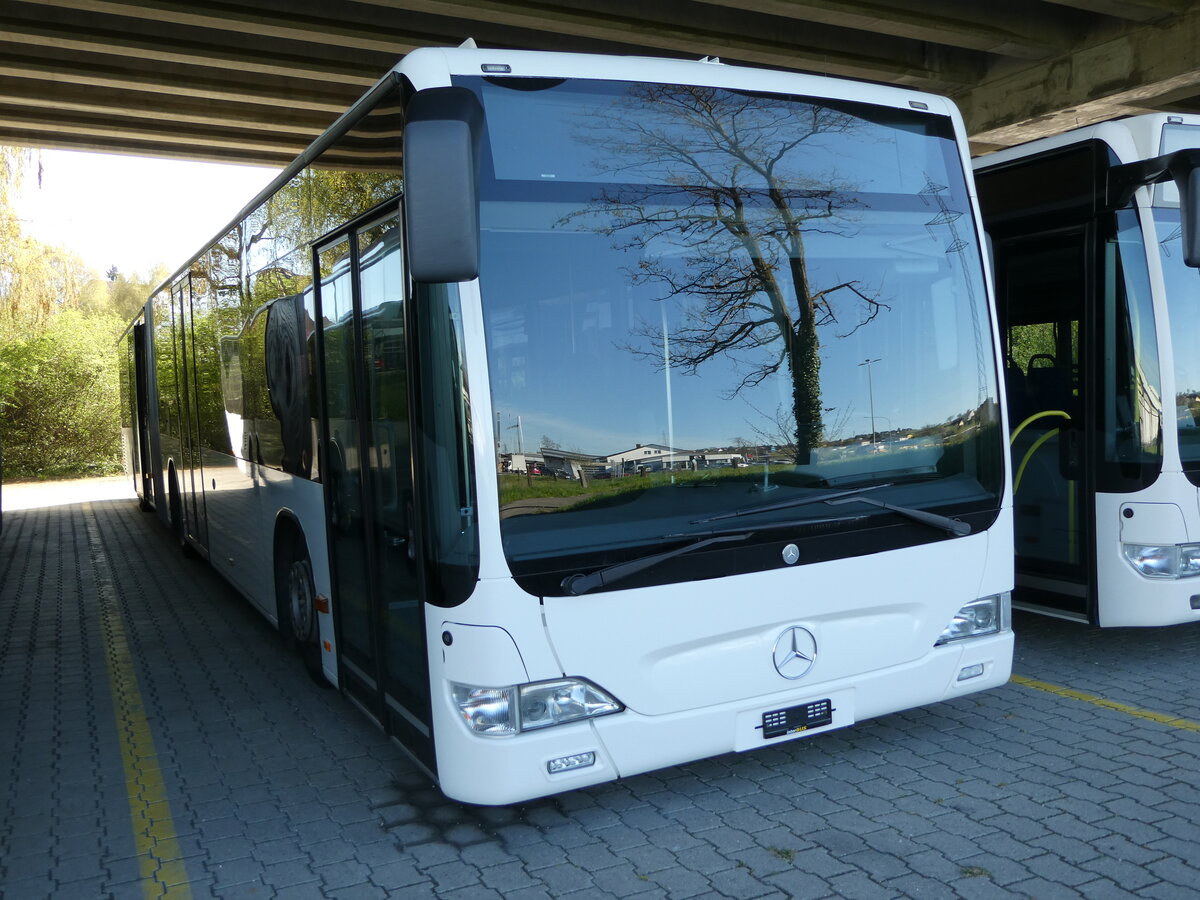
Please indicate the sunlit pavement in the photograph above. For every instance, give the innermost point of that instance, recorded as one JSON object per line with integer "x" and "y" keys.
{"x": 38, "y": 494}
{"x": 159, "y": 740}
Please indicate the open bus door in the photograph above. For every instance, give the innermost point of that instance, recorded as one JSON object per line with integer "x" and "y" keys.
{"x": 1042, "y": 285}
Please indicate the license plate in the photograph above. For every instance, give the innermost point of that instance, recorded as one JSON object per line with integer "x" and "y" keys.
{"x": 796, "y": 719}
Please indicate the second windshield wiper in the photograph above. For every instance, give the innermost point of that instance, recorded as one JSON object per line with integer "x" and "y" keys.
{"x": 581, "y": 584}
{"x": 936, "y": 520}
{"x": 833, "y": 496}
{"x": 837, "y": 498}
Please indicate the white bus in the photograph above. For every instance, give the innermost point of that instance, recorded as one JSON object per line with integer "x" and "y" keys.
{"x": 1099, "y": 316}
{"x": 603, "y": 252}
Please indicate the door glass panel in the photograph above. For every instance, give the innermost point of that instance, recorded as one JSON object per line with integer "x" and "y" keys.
{"x": 381, "y": 291}
{"x": 344, "y": 468}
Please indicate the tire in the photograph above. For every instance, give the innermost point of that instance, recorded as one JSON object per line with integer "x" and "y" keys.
{"x": 297, "y": 611}
{"x": 175, "y": 507}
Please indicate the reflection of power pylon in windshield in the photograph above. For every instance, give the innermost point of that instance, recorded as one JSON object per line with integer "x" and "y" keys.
{"x": 935, "y": 193}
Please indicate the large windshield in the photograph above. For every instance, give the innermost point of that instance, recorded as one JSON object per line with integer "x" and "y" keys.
{"x": 700, "y": 299}
{"x": 1183, "y": 309}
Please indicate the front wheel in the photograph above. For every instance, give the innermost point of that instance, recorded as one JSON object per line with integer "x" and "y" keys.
{"x": 175, "y": 508}
{"x": 301, "y": 596}
{"x": 297, "y": 609}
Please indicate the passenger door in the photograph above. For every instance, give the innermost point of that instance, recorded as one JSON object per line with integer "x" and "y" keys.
{"x": 1042, "y": 286}
{"x": 191, "y": 476}
{"x": 368, "y": 473}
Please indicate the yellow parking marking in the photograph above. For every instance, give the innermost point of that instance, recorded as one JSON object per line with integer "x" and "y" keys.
{"x": 1160, "y": 718}
{"x": 159, "y": 858}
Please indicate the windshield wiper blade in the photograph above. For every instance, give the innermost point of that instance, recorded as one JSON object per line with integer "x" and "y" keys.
{"x": 582, "y": 584}
{"x": 790, "y": 504}
{"x": 945, "y": 523}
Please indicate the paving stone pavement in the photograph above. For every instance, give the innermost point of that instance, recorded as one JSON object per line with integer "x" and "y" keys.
{"x": 278, "y": 788}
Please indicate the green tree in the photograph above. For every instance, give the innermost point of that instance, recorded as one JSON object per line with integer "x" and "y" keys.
{"x": 59, "y": 321}
{"x": 59, "y": 397}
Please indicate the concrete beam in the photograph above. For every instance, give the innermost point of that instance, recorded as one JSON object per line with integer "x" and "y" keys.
{"x": 1027, "y": 32}
{"x": 731, "y": 34}
{"x": 223, "y": 52}
{"x": 87, "y": 99}
{"x": 114, "y": 144}
{"x": 1139, "y": 10}
{"x": 301, "y": 21}
{"x": 1116, "y": 76}
{"x": 67, "y": 69}
{"x": 166, "y": 132}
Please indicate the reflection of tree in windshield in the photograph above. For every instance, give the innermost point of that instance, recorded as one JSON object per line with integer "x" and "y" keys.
{"x": 717, "y": 211}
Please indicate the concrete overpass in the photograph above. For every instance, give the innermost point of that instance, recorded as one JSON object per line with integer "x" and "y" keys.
{"x": 256, "y": 80}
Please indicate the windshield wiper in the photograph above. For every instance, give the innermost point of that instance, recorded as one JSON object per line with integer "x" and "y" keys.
{"x": 954, "y": 526}
{"x": 581, "y": 584}
{"x": 790, "y": 504}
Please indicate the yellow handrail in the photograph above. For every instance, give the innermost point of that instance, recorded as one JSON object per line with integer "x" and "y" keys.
{"x": 1037, "y": 415}
{"x": 1028, "y": 455}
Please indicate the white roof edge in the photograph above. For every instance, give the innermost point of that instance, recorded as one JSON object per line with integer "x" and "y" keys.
{"x": 433, "y": 66}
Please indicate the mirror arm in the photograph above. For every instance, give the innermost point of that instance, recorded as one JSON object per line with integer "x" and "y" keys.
{"x": 1182, "y": 167}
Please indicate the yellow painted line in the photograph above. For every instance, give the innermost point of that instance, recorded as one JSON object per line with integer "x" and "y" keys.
{"x": 1150, "y": 715}
{"x": 159, "y": 859}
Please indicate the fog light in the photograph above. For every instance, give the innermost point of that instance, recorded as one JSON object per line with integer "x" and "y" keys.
{"x": 967, "y": 672}
{"x": 574, "y": 761}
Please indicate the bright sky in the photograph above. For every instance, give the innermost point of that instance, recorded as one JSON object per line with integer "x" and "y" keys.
{"x": 133, "y": 212}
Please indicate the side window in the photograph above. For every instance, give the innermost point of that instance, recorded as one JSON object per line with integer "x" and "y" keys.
{"x": 1043, "y": 307}
{"x": 273, "y": 360}
{"x": 261, "y": 438}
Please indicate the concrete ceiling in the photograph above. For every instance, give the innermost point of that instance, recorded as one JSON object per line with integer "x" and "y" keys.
{"x": 256, "y": 81}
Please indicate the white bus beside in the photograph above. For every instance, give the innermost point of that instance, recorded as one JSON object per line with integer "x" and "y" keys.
{"x": 1100, "y": 317}
{"x": 608, "y": 252}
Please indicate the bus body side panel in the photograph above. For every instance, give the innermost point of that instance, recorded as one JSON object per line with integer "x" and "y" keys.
{"x": 235, "y": 541}
{"x": 281, "y": 494}
{"x": 1166, "y": 514}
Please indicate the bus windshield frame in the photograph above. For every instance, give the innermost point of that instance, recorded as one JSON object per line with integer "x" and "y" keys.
{"x": 698, "y": 300}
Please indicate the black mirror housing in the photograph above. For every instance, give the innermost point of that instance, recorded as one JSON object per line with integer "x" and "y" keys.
{"x": 1185, "y": 171}
{"x": 443, "y": 130}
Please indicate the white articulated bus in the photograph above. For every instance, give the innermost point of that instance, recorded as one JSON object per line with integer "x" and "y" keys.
{"x": 598, "y": 253}
{"x": 1100, "y": 321}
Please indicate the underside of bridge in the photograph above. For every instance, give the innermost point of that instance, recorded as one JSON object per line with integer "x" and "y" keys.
{"x": 256, "y": 81}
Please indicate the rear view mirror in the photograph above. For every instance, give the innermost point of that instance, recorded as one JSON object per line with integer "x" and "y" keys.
{"x": 442, "y": 132}
{"x": 1185, "y": 171}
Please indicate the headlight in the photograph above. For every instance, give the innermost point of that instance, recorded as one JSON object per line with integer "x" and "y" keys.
{"x": 1164, "y": 560}
{"x": 988, "y": 615}
{"x": 500, "y": 712}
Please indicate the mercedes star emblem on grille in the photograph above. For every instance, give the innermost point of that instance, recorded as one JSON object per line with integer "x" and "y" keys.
{"x": 795, "y": 652}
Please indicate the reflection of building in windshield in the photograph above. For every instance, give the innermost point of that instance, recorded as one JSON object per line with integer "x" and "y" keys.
{"x": 640, "y": 459}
